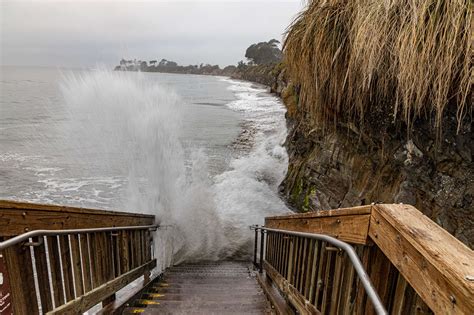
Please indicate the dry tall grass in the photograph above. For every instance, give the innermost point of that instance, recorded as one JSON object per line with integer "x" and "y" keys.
{"x": 406, "y": 57}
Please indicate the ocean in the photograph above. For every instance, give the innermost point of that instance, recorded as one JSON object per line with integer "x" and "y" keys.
{"x": 203, "y": 154}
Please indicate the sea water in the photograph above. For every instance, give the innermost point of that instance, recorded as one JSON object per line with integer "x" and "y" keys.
{"x": 203, "y": 154}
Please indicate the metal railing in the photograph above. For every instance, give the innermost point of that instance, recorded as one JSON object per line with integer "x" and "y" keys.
{"x": 283, "y": 255}
{"x": 26, "y": 236}
{"x": 71, "y": 270}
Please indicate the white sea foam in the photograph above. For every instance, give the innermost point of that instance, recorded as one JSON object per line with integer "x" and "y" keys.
{"x": 207, "y": 217}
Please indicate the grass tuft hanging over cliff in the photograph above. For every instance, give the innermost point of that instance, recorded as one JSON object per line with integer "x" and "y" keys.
{"x": 404, "y": 58}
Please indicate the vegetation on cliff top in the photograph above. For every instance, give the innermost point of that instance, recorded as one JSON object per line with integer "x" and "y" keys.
{"x": 407, "y": 58}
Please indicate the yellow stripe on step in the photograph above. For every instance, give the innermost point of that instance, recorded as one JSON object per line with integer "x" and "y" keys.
{"x": 138, "y": 311}
{"x": 149, "y": 302}
{"x": 155, "y": 295}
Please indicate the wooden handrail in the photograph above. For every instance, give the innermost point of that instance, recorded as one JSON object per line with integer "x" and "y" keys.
{"x": 411, "y": 254}
{"x": 77, "y": 267}
{"x": 437, "y": 265}
{"x": 349, "y": 224}
{"x": 19, "y": 217}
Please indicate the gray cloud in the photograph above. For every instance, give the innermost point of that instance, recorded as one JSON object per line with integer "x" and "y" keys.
{"x": 85, "y": 33}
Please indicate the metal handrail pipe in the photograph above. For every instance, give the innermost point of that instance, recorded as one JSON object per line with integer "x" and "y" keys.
{"x": 26, "y": 236}
{"x": 359, "y": 268}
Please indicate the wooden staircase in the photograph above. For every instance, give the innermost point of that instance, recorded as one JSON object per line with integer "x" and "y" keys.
{"x": 224, "y": 287}
{"x": 68, "y": 260}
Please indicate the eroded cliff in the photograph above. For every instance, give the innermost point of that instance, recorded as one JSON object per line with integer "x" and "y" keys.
{"x": 381, "y": 114}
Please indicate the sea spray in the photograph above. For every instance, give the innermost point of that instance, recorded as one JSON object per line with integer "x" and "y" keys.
{"x": 137, "y": 123}
{"x": 247, "y": 192}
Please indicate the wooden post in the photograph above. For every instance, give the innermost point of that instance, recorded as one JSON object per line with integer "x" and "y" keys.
{"x": 20, "y": 271}
{"x": 5, "y": 290}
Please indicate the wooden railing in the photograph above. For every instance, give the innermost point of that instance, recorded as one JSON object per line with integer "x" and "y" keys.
{"x": 81, "y": 257}
{"x": 415, "y": 266}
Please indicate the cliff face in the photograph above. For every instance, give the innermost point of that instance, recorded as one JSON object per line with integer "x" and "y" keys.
{"x": 381, "y": 114}
{"x": 345, "y": 168}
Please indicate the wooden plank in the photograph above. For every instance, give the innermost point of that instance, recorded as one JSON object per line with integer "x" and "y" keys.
{"x": 86, "y": 261}
{"x": 296, "y": 273}
{"x": 380, "y": 277}
{"x": 344, "y": 304}
{"x": 321, "y": 274}
{"x": 304, "y": 257}
{"x": 96, "y": 258}
{"x": 108, "y": 261}
{"x": 116, "y": 254}
{"x": 77, "y": 264}
{"x": 280, "y": 253}
{"x": 314, "y": 272}
{"x": 328, "y": 282}
{"x": 287, "y": 255}
{"x": 309, "y": 268}
{"x": 85, "y": 302}
{"x": 348, "y": 228}
{"x": 276, "y": 299}
{"x": 133, "y": 250}
{"x": 22, "y": 285}
{"x": 18, "y": 217}
{"x": 148, "y": 245}
{"x": 124, "y": 251}
{"x": 43, "y": 278}
{"x": 292, "y": 294}
{"x": 291, "y": 254}
{"x": 410, "y": 296}
{"x": 399, "y": 296}
{"x": 276, "y": 251}
{"x": 101, "y": 256}
{"x": 66, "y": 267}
{"x": 361, "y": 296}
{"x": 325, "y": 213}
{"x": 268, "y": 248}
{"x": 54, "y": 262}
{"x": 435, "y": 264}
{"x": 336, "y": 288}
{"x": 123, "y": 297}
{"x": 5, "y": 290}
{"x": 420, "y": 307}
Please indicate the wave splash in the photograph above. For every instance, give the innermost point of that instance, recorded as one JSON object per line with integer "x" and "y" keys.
{"x": 138, "y": 124}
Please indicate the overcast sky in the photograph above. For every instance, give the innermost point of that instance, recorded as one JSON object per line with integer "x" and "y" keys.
{"x": 86, "y": 33}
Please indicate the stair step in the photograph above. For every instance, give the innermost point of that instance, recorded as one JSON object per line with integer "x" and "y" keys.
{"x": 165, "y": 310}
{"x": 207, "y": 288}
{"x": 208, "y": 297}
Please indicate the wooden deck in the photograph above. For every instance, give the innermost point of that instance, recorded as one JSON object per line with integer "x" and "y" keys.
{"x": 225, "y": 287}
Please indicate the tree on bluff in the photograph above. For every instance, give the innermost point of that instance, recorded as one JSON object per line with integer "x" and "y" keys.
{"x": 264, "y": 52}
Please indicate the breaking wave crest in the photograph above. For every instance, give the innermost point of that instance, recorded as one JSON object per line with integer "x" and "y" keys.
{"x": 138, "y": 124}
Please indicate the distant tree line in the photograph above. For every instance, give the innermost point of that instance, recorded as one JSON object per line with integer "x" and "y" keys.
{"x": 264, "y": 53}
